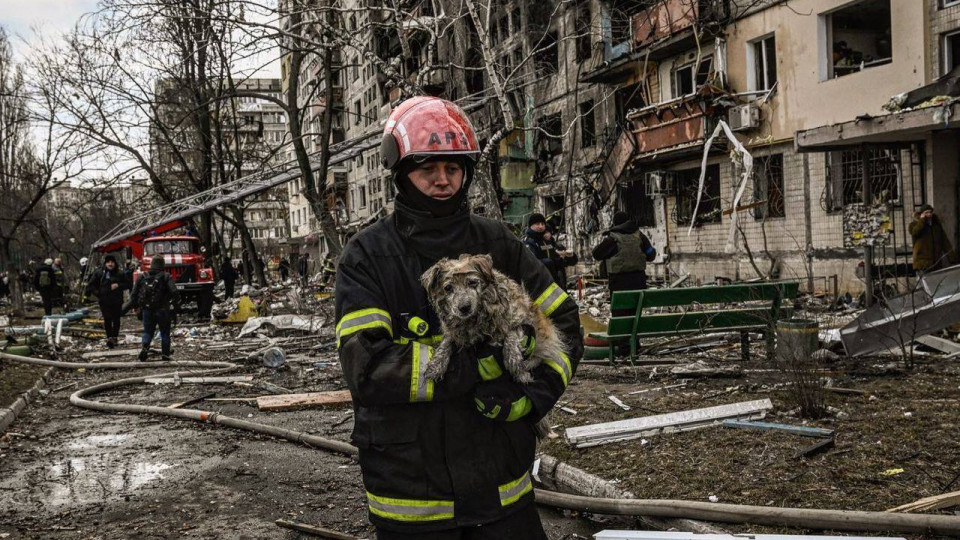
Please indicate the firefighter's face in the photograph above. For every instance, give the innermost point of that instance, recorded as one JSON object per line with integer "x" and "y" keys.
{"x": 438, "y": 179}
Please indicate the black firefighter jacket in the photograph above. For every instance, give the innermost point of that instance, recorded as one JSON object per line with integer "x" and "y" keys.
{"x": 430, "y": 461}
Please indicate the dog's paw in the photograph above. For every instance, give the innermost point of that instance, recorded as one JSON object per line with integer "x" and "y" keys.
{"x": 434, "y": 371}
{"x": 524, "y": 377}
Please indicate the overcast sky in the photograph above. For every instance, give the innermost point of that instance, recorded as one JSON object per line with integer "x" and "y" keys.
{"x": 17, "y": 16}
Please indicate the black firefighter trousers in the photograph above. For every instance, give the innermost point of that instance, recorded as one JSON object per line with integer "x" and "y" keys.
{"x": 112, "y": 311}
{"x": 522, "y": 525}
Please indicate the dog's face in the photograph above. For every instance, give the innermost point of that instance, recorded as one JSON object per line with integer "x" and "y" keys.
{"x": 455, "y": 286}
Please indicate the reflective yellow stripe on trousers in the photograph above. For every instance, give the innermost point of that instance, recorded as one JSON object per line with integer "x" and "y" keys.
{"x": 550, "y": 299}
{"x": 361, "y": 320}
{"x": 409, "y": 509}
{"x": 512, "y": 491}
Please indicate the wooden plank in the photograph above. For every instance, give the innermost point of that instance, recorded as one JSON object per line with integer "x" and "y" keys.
{"x": 634, "y": 428}
{"x": 285, "y": 402}
{"x": 197, "y": 380}
{"x": 936, "y": 502}
{"x": 821, "y": 446}
{"x": 803, "y": 431}
{"x": 107, "y": 354}
{"x": 940, "y": 344}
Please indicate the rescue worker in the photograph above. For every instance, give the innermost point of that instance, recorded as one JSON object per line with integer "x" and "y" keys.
{"x": 625, "y": 251}
{"x": 559, "y": 255}
{"x": 533, "y": 239}
{"x": 60, "y": 291}
{"x": 931, "y": 246}
{"x": 449, "y": 459}
{"x": 108, "y": 284}
{"x": 229, "y": 276}
{"x": 45, "y": 282}
{"x": 156, "y": 297}
{"x": 284, "y": 267}
{"x": 328, "y": 272}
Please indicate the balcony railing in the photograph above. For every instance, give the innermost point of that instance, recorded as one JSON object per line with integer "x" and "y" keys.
{"x": 674, "y": 125}
{"x": 663, "y": 20}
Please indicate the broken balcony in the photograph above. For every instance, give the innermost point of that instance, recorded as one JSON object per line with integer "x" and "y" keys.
{"x": 676, "y": 127}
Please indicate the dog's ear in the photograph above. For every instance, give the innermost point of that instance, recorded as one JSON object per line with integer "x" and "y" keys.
{"x": 431, "y": 278}
{"x": 484, "y": 264}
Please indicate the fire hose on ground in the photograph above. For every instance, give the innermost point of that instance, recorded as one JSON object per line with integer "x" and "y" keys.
{"x": 841, "y": 520}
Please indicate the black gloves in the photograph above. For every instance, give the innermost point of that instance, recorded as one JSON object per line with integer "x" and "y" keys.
{"x": 502, "y": 399}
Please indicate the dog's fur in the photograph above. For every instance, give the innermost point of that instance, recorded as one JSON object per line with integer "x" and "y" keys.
{"x": 477, "y": 304}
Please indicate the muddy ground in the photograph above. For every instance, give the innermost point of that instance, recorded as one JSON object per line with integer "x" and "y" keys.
{"x": 67, "y": 472}
{"x": 71, "y": 473}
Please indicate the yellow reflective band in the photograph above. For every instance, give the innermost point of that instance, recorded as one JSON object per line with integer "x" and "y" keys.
{"x": 551, "y": 299}
{"x": 363, "y": 319}
{"x": 409, "y": 509}
{"x": 489, "y": 368}
{"x": 563, "y": 367}
{"x": 429, "y": 340}
{"x": 481, "y": 406}
{"x": 512, "y": 491}
{"x": 519, "y": 409}
{"x": 421, "y": 389}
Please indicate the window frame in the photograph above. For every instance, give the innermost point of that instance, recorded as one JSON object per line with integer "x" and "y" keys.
{"x": 761, "y": 186}
{"x": 945, "y": 49}
{"x": 760, "y": 63}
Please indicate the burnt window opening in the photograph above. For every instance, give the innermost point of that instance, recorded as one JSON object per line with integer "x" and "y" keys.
{"x": 845, "y": 177}
{"x": 858, "y": 37}
{"x": 687, "y": 79}
{"x": 764, "y": 60}
{"x": 628, "y": 98}
{"x": 545, "y": 58}
{"x": 634, "y": 201}
{"x": 553, "y": 209}
{"x": 549, "y": 141}
{"x": 768, "y": 186}
{"x": 474, "y": 73}
{"x": 950, "y": 51}
{"x": 688, "y": 183}
{"x": 582, "y": 28}
{"x": 588, "y": 128}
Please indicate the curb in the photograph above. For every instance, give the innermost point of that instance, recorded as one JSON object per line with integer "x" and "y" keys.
{"x": 9, "y": 414}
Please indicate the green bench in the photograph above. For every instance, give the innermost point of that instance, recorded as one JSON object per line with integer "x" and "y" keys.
{"x": 761, "y": 315}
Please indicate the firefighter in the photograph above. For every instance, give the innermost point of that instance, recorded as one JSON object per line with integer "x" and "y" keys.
{"x": 157, "y": 300}
{"x": 328, "y": 272}
{"x": 452, "y": 458}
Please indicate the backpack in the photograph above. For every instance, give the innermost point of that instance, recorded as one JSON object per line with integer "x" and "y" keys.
{"x": 44, "y": 279}
{"x": 151, "y": 292}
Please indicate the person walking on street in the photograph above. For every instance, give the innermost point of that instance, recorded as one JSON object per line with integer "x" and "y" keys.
{"x": 625, "y": 251}
{"x": 155, "y": 295}
{"x": 45, "y": 282}
{"x": 931, "y": 246}
{"x": 108, "y": 284}
{"x": 284, "y": 267}
{"x": 229, "y": 276}
{"x": 445, "y": 459}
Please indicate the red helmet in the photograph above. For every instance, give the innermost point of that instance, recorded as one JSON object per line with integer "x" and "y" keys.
{"x": 427, "y": 126}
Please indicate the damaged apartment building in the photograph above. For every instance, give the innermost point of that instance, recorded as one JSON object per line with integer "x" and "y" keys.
{"x": 805, "y": 88}
{"x": 613, "y": 102}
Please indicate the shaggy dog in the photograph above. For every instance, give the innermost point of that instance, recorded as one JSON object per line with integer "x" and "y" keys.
{"x": 477, "y": 304}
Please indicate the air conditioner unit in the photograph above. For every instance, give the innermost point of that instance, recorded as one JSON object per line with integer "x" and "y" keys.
{"x": 659, "y": 183}
{"x": 744, "y": 117}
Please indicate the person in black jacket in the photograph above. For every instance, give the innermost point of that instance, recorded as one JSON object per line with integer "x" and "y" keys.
{"x": 533, "y": 239}
{"x": 45, "y": 282}
{"x": 154, "y": 294}
{"x": 560, "y": 257}
{"x": 229, "y": 276}
{"x": 626, "y": 252}
{"x": 444, "y": 459}
{"x": 108, "y": 284}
